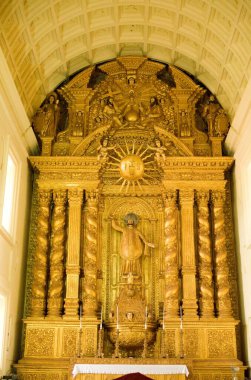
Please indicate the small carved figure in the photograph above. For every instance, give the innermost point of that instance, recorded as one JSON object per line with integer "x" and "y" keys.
{"x": 133, "y": 110}
{"x": 103, "y": 150}
{"x": 209, "y": 112}
{"x": 184, "y": 127}
{"x": 112, "y": 111}
{"x": 79, "y": 124}
{"x": 129, "y": 316}
{"x": 221, "y": 124}
{"x": 131, "y": 81}
{"x": 159, "y": 149}
{"x": 131, "y": 248}
{"x": 155, "y": 109}
{"x": 130, "y": 278}
{"x": 111, "y": 316}
{"x": 50, "y": 116}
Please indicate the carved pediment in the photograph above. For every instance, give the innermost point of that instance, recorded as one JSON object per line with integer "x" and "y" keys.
{"x": 131, "y": 95}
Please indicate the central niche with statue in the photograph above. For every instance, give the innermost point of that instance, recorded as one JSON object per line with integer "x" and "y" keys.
{"x": 131, "y": 320}
{"x": 131, "y": 251}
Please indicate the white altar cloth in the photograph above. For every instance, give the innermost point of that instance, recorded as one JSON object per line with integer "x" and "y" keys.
{"x": 122, "y": 369}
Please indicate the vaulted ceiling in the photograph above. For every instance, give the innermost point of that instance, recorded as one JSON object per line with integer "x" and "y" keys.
{"x": 45, "y": 42}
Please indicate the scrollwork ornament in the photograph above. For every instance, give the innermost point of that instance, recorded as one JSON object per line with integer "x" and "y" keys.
{"x": 220, "y": 343}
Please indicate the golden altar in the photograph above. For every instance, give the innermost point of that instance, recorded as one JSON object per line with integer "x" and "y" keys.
{"x": 131, "y": 227}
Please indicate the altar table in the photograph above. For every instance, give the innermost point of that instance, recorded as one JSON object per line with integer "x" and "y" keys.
{"x": 111, "y": 371}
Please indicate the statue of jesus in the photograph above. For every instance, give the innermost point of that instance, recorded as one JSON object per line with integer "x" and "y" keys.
{"x": 132, "y": 246}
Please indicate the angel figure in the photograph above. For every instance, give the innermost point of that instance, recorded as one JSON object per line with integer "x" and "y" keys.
{"x": 103, "y": 150}
{"x": 159, "y": 150}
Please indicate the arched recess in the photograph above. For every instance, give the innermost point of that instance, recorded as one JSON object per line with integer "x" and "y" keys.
{"x": 148, "y": 214}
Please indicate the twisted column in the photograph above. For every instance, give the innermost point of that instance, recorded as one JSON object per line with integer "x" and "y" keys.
{"x": 171, "y": 300}
{"x": 75, "y": 197}
{"x": 188, "y": 253}
{"x": 38, "y": 302}
{"x": 90, "y": 258}
{"x": 206, "y": 299}
{"x": 220, "y": 250}
{"x": 56, "y": 283}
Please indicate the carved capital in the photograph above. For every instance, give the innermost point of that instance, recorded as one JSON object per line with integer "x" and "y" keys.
{"x": 59, "y": 197}
{"x": 170, "y": 198}
{"x": 44, "y": 197}
{"x": 218, "y": 198}
{"x": 202, "y": 198}
{"x": 186, "y": 197}
{"x": 92, "y": 197}
{"x": 75, "y": 196}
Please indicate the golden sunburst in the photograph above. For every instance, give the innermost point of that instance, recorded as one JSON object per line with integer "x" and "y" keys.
{"x": 132, "y": 165}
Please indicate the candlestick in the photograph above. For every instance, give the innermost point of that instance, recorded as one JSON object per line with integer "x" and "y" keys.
{"x": 117, "y": 316}
{"x": 101, "y": 323}
{"x": 181, "y": 325}
{"x": 80, "y": 317}
{"x": 146, "y": 318}
{"x": 163, "y": 325}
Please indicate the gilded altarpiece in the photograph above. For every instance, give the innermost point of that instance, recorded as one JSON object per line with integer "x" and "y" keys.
{"x": 131, "y": 253}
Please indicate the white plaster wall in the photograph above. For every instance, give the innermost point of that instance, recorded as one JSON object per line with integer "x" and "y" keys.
{"x": 238, "y": 144}
{"x": 15, "y": 132}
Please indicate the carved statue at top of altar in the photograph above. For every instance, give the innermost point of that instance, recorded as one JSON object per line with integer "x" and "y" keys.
{"x": 217, "y": 120}
{"x": 155, "y": 110}
{"x": 112, "y": 111}
{"x": 46, "y": 119}
{"x": 49, "y": 116}
{"x": 132, "y": 247}
{"x": 133, "y": 109}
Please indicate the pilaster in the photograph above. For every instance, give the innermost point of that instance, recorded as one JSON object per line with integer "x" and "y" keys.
{"x": 188, "y": 253}
{"x": 75, "y": 197}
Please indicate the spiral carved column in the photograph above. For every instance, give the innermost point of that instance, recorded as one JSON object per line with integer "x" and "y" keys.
{"x": 221, "y": 264}
{"x": 56, "y": 284}
{"x": 75, "y": 198}
{"x": 38, "y": 303}
{"x": 171, "y": 300}
{"x": 90, "y": 258}
{"x": 205, "y": 257}
{"x": 188, "y": 253}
